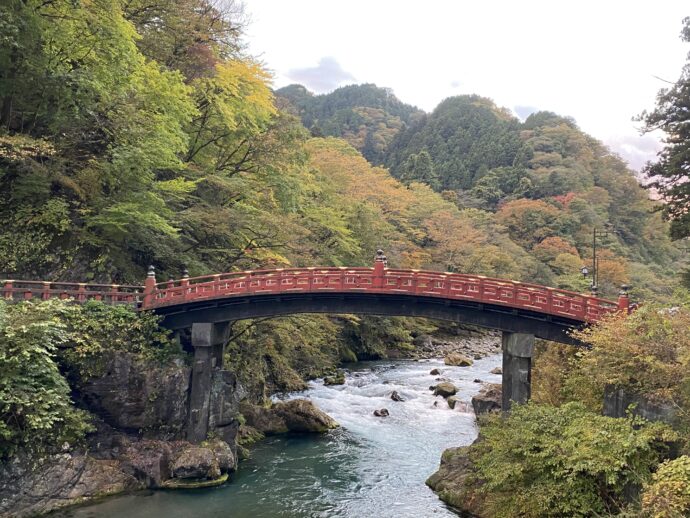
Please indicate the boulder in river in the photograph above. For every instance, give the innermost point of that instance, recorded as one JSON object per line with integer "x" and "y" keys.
{"x": 297, "y": 415}
{"x": 397, "y": 397}
{"x": 445, "y": 389}
{"x": 477, "y": 380}
{"x": 381, "y": 413}
{"x": 496, "y": 370}
{"x": 488, "y": 400}
{"x": 456, "y": 403}
{"x": 301, "y": 415}
{"x": 435, "y": 372}
{"x": 337, "y": 379}
{"x": 458, "y": 360}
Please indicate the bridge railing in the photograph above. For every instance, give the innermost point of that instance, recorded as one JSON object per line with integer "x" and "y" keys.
{"x": 457, "y": 286}
{"x": 16, "y": 290}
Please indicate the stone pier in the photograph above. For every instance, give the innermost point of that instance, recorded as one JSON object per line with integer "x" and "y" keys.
{"x": 517, "y": 368}
{"x": 208, "y": 341}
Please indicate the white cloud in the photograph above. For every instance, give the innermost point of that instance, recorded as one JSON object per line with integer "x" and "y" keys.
{"x": 598, "y": 62}
{"x": 324, "y": 77}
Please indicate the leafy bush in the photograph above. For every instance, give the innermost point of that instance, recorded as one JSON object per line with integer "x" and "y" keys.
{"x": 647, "y": 352}
{"x": 668, "y": 495}
{"x": 35, "y": 406}
{"x": 37, "y": 338}
{"x": 543, "y": 461}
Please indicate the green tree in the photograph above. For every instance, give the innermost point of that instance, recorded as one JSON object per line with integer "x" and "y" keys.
{"x": 669, "y": 174}
{"x": 543, "y": 461}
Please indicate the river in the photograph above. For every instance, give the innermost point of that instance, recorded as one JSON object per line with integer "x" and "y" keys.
{"x": 370, "y": 467}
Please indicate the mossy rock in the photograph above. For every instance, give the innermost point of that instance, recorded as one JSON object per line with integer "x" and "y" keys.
{"x": 189, "y": 483}
{"x": 458, "y": 360}
{"x": 336, "y": 379}
{"x": 347, "y": 355}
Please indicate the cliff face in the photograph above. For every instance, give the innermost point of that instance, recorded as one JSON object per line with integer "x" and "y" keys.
{"x": 141, "y": 410}
{"x": 135, "y": 396}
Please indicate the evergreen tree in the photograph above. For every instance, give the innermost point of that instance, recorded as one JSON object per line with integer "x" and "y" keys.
{"x": 670, "y": 174}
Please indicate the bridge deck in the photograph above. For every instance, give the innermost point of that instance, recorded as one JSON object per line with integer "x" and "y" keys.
{"x": 441, "y": 285}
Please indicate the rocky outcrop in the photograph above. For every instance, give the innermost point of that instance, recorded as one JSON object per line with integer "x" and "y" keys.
{"x": 618, "y": 401}
{"x": 29, "y": 486}
{"x": 445, "y": 389}
{"x": 297, "y": 415}
{"x": 224, "y": 405}
{"x": 489, "y": 399}
{"x": 458, "y": 360}
{"x": 454, "y": 482}
{"x": 134, "y": 395}
{"x": 262, "y": 419}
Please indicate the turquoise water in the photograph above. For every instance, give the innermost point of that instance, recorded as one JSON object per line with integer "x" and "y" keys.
{"x": 371, "y": 466}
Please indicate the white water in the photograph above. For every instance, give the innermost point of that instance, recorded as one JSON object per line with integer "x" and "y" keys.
{"x": 372, "y": 466}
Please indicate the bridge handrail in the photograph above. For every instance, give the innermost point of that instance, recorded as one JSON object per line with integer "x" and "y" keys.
{"x": 363, "y": 279}
{"x": 256, "y": 273}
{"x": 19, "y": 289}
{"x": 377, "y": 280}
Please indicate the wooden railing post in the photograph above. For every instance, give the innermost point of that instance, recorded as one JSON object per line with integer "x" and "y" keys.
{"x": 81, "y": 292}
{"x": 380, "y": 262}
{"x": 7, "y": 290}
{"x": 149, "y": 288}
{"x": 45, "y": 294}
{"x": 624, "y": 299}
{"x": 184, "y": 282}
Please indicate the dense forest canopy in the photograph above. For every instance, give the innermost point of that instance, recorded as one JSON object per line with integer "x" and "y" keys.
{"x": 153, "y": 138}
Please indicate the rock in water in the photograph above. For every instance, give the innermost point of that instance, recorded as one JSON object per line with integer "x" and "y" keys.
{"x": 488, "y": 400}
{"x": 297, "y": 415}
{"x": 453, "y": 479}
{"x": 396, "y": 397}
{"x": 337, "y": 379}
{"x": 195, "y": 462}
{"x": 301, "y": 415}
{"x": 496, "y": 370}
{"x": 477, "y": 380}
{"x": 458, "y": 360}
{"x": 452, "y": 400}
{"x": 445, "y": 389}
{"x": 435, "y": 372}
{"x": 381, "y": 413}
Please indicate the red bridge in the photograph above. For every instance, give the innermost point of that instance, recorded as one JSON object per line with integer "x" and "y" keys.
{"x": 206, "y": 305}
{"x": 377, "y": 290}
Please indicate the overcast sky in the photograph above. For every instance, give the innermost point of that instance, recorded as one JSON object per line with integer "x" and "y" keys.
{"x": 597, "y": 61}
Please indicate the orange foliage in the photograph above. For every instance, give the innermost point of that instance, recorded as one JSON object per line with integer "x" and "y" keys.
{"x": 552, "y": 247}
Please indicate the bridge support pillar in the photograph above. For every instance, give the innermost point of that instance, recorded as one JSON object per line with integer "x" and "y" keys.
{"x": 517, "y": 368}
{"x": 208, "y": 341}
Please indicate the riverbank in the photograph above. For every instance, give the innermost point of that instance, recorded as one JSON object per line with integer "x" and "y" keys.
{"x": 369, "y": 466}
{"x": 141, "y": 446}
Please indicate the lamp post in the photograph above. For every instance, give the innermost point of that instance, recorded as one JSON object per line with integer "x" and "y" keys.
{"x": 594, "y": 284}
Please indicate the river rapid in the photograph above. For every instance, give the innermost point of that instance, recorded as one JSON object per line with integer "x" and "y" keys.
{"x": 370, "y": 467}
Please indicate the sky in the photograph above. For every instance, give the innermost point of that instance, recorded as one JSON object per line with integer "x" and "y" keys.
{"x": 601, "y": 62}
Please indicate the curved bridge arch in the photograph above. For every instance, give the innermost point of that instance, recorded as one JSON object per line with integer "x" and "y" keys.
{"x": 490, "y": 316}
{"x": 500, "y": 304}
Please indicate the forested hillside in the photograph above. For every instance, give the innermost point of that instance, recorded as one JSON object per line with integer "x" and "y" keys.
{"x": 366, "y": 116}
{"x": 154, "y": 139}
{"x": 544, "y": 181}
